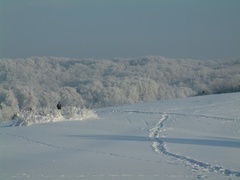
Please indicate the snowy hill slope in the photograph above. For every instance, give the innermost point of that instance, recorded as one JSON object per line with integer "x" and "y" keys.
{"x": 190, "y": 138}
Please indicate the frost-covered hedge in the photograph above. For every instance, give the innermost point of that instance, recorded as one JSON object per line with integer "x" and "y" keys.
{"x": 39, "y": 82}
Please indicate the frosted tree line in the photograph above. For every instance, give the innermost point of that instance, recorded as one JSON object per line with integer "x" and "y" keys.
{"x": 41, "y": 82}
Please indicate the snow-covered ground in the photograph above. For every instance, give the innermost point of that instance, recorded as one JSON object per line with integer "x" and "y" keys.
{"x": 190, "y": 138}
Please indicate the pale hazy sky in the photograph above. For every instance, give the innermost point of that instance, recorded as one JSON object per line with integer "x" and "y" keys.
{"x": 198, "y": 29}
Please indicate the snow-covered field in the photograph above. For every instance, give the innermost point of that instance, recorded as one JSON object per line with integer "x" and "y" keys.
{"x": 190, "y": 138}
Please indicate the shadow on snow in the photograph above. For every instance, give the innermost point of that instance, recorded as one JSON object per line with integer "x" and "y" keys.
{"x": 221, "y": 142}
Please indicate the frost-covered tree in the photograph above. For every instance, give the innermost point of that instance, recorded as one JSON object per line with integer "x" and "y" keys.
{"x": 40, "y": 82}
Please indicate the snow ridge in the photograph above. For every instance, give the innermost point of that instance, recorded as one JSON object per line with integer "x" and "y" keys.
{"x": 159, "y": 146}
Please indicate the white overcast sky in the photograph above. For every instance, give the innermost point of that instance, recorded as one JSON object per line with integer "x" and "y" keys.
{"x": 197, "y": 29}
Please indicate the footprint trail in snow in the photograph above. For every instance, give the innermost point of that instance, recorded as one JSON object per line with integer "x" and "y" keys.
{"x": 159, "y": 146}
